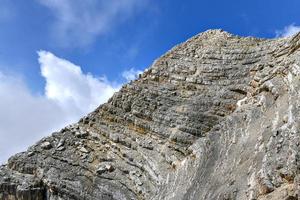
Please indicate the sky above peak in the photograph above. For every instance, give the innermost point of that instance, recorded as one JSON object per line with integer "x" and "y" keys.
{"x": 65, "y": 57}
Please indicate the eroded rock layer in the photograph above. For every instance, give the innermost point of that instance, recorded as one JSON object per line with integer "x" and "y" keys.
{"x": 216, "y": 117}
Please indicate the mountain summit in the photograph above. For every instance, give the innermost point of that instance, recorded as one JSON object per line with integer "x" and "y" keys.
{"x": 215, "y": 118}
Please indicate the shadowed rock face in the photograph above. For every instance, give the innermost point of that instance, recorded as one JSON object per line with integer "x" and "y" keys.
{"x": 216, "y": 117}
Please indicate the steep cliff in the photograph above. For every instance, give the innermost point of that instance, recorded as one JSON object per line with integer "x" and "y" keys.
{"x": 216, "y": 117}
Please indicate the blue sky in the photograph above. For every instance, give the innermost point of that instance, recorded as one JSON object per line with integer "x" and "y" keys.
{"x": 59, "y": 59}
{"x": 132, "y": 40}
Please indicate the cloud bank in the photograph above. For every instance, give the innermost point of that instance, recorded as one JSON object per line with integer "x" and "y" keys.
{"x": 69, "y": 94}
{"x": 288, "y": 31}
{"x": 79, "y": 22}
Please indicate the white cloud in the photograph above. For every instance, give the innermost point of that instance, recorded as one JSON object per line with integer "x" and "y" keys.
{"x": 69, "y": 94}
{"x": 72, "y": 90}
{"x": 287, "y": 31}
{"x": 79, "y": 22}
{"x": 131, "y": 74}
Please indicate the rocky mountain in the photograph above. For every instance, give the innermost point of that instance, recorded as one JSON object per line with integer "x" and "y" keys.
{"x": 215, "y": 118}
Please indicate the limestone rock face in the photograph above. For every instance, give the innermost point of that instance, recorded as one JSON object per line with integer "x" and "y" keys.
{"x": 215, "y": 118}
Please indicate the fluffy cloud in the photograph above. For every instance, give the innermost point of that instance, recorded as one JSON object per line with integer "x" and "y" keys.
{"x": 288, "y": 31}
{"x": 69, "y": 94}
{"x": 131, "y": 74}
{"x": 68, "y": 87}
{"x": 78, "y": 22}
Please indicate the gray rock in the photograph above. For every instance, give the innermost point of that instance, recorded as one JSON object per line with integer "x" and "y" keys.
{"x": 105, "y": 168}
{"x": 61, "y": 148}
{"x": 60, "y": 143}
{"x": 83, "y": 150}
{"x": 46, "y": 145}
{"x": 81, "y": 134}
